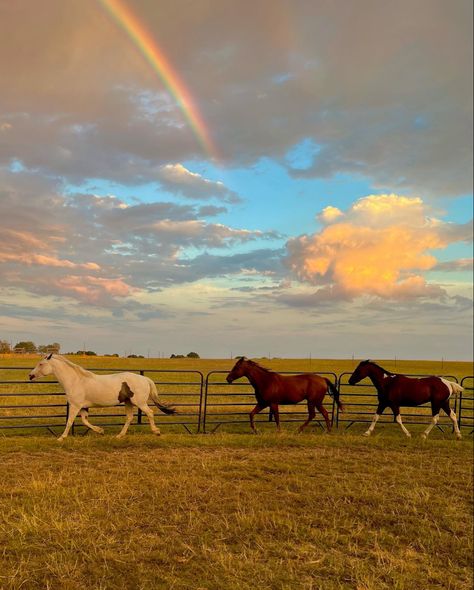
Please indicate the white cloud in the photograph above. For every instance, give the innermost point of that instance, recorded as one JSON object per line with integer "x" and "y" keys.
{"x": 382, "y": 246}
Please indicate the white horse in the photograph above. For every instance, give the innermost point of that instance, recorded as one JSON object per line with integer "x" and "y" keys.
{"x": 85, "y": 389}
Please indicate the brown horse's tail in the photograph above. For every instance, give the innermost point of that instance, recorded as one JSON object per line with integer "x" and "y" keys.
{"x": 334, "y": 392}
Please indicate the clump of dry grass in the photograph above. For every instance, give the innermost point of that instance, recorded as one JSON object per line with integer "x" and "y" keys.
{"x": 235, "y": 511}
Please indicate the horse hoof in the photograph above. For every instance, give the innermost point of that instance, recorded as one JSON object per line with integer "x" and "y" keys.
{"x": 423, "y": 436}
{"x": 100, "y": 431}
{"x": 61, "y": 438}
{"x": 367, "y": 433}
{"x": 458, "y": 436}
{"x": 157, "y": 433}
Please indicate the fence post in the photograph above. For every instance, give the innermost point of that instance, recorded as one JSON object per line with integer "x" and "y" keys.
{"x": 140, "y": 414}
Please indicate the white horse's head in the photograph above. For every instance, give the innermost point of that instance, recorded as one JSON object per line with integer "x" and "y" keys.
{"x": 43, "y": 368}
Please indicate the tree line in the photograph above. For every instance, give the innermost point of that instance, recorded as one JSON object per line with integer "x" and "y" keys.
{"x": 29, "y": 347}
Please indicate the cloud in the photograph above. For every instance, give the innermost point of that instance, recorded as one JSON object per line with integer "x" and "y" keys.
{"x": 380, "y": 96}
{"x": 105, "y": 252}
{"x": 382, "y": 246}
{"x": 462, "y": 264}
{"x": 179, "y": 180}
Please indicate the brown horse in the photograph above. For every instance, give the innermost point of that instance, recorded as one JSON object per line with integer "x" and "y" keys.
{"x": 272, "y": 389}
{"x": 394, "y": 390}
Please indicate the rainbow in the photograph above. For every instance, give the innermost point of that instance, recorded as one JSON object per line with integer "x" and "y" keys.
{"x": 152, "y": 52}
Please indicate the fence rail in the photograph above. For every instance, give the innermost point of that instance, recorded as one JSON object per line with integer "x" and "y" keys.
{"x": 360, "y": 402}
{"x": 227, "y": 406}
{"x": 206, "y": 403}
{"x": 185, "y": 395}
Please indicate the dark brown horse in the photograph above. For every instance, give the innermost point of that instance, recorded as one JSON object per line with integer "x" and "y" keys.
{"x": 394, "y": 390}
{"x": 272, "y": 389}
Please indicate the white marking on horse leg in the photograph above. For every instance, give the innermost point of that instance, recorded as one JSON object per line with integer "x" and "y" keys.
{"x": 128, "y": 420}
{"x": 457, "y": 432}
{"x": 86, "y": 422}
{"x": 434, "y": 421}
{"x": 372, "y": 425}
{"x": 399, "y": 420}
{"x": 149, "y": 412}
{"x": 73, "y": 412}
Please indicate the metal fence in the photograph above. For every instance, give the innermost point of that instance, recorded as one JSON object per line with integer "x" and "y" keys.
{"x": 233, "y": 404}
{"x": 41, "y": 404}
{"x": 466, "y": 404}
{"x": 207, "y": 403}
{"x": 360, "y": 403}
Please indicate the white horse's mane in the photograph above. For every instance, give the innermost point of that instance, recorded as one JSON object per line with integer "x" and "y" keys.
{"x": 80, "y": 370}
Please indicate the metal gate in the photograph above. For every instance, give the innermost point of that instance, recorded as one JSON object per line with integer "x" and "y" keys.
{"x": 360, "y": 402}
{"x": 466, "y": 403}
{"x": 231, "y": 404}
{"x": 20, "y": 407}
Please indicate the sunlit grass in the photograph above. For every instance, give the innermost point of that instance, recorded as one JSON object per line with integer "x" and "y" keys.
{"x": 236, "y": 511}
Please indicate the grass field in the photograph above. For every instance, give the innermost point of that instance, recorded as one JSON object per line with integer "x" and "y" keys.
{"x": 236, "y": 511}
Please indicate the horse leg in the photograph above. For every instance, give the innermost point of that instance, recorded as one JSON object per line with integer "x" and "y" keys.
{"x": 128, "y": 420}
{"x": 73, "y": 412}
{"x": 276, "y": 415}
{"x": 398, "y": 418}
{"x": 446, "y": 407}
{"x": 258, "y": 408}
{"x": 322, "y": 410}
{"x": 85, "y": 420}
{"x": 145, "y": 408}
{"x": 311, "y": 415}
{"x": 434, "y": 421}
{"x": 378, "y": 413}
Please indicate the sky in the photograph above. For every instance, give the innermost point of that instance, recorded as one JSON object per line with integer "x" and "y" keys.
{"x": 274, "y": 178}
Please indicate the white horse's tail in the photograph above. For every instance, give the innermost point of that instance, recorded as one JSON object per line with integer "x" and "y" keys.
{"x": 154, "y": 396}
{"x": 454, "y": 388}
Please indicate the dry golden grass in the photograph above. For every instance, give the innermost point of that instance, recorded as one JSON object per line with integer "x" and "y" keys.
{"x": 233, "y": 511}
{"x": 236, "y": 511}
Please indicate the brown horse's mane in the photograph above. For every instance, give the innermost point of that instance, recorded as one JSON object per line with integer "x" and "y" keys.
{"x": 255, "y": 364}
{"x": 368, "y": 361}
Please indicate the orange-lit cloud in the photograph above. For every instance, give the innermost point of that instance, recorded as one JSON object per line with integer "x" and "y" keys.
{"x": 380, "y": 246}
{"x": 93, "y": 289}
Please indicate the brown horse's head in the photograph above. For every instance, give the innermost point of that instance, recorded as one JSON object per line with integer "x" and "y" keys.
{"x": 238, "y": 370}
{"x": 362, "y": 370}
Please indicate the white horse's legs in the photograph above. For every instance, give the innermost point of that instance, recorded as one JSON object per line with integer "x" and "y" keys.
{"x": 128, "y": 420}
{"x": 371, "y": 428}
{"x": 86, "y": 422}
{"x": 73, "y": 412}
{"x": 431, "y": 426}
{"x": 399, "y": 420}
{"x": 452, "y": 415}
{"x": 145, "y": 408}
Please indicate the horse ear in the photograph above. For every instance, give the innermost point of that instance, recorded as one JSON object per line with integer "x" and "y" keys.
{"x": 50, "y": 355}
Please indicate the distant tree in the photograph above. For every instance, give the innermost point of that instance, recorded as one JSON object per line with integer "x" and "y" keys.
{"x": 114, "y": 354}
{"x": 54, "y": 347}
{"x": 177, "y": 356}
{"x": 86, "y": 353}
{"x": 193, "y": 355}
{"x": 26, "y": 346}
{"x": 4, "y": 347}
